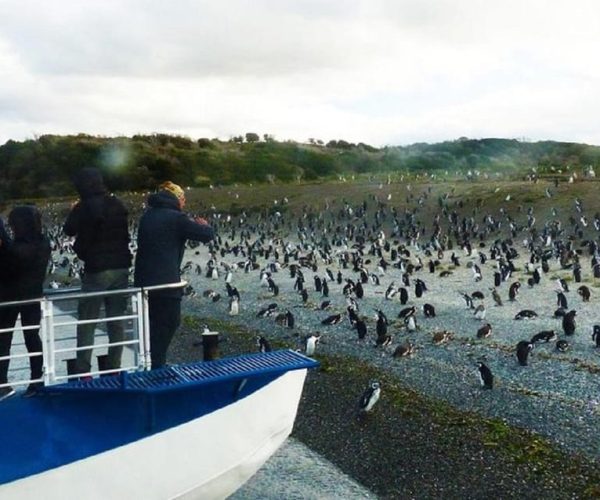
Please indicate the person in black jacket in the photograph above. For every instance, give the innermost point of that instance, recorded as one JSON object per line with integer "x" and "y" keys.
{"x": 99, "y": 222}
{"x": 162, "y": 233}
{"x": 24, "y": 263}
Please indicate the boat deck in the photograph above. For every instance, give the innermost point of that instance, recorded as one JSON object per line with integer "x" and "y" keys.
{"x": 191, "y": 374}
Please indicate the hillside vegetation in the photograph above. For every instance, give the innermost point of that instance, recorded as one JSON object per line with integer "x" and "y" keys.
{"x": 44, "y": 166}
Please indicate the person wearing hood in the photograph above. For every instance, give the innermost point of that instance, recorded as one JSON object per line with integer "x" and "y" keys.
{"x": 162, "y": 233}
{"x": 24, "y": 262}
{"x": 100, "y": 226}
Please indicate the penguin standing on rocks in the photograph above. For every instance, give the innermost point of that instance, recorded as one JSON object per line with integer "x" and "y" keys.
{"x": 480, "y": 312}
{"x": 584, "y": 293}
{"x": 596, "y": 335}
{"x": 485, "y": 331}
{"x": 361, "y": 329}
{"x": 496, "y": 297}
{"x": 403, "y": 296}
{"x": 561, "y": 300}
{"x": 562, "y": 345}
{"x": 263, "y": 344}
{"x": 568, "y": 322}
{"x": 513, "y": 291}
{"x": 486, "y": 378}
{"x": 370, "y": 397}
{"x": 526, "y": 314}
{"x": 428, "y": 310}
{"x": 234, "y": 305}
{"x": 544, "y": 336}
{"x": 523, "y": 349}
{"x": 311, "y": 343}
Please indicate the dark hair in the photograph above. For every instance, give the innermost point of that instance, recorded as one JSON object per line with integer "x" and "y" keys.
{"x": 26, "y": 222}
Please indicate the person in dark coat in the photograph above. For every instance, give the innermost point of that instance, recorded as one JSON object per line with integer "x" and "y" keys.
{"x": 24, "y": 263}
{"x": 162, "y": 233}
{"x": 99, "y": 223}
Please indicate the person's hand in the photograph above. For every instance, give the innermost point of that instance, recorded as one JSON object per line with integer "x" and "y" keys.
{"x": 201, "y": 220}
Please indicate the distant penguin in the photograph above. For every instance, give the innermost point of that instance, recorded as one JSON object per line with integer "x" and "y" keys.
{"x": 523, "y": 349}
{"x": 311, "y": 343}
{"x": 526, "y": 314}
{"x": 324, "y": 289}
{"x": 234, "y": 305}
{"x": 485, "y": 331}
{"x": 359, "y": 291}
{"x": 361, "y": 329}
{"x": 544, "y": 336}
{"x": 561, "y": 300}
{"x": 480, "y": 312}
{"x": 513, "y": 291}
{"x": 477, "y": 295}
{"x": 334, "y": 319}
{"x": 410, "y": 322}
{"x": 428, "y": 311}
{"x": 560, "y": 312}
{"x": 289, "y": 319}
{"x": 497, "y": 278}
{"x": 370, "y": 397}
{"x": 562, "y": 345}
{"x": 441, "y": 337}
{"x": 486, "y": 378}
{"x": 407, "y": 311}
{"x": 419, "y": 288}
{"x": 263, "y": 344}
{"x": 568, "y": 322}
{"x": 584, "y": 293}
{"x": 596, "y": 335}
{"x": 404, "y": 350}
{"x": 496, "y": 297}
{"x": 562, "y": 285}
{"x": 403, "y": 296}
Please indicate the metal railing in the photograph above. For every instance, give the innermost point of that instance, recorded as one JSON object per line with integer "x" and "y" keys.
{"x": 58, "y": 333}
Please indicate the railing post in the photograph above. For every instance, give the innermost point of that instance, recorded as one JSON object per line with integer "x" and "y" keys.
{"x": 47, "y": 328}
{"x": 145, "y": 327}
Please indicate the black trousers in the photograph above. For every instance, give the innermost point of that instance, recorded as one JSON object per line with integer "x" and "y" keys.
{"x": 30, "y": 316}
{"x": 165, "y": 317}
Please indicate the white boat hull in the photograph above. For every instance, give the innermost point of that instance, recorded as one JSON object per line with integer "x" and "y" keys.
{"x": 207, "y": 458}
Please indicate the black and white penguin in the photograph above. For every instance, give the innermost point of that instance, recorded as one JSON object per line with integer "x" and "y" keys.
{"x": 523, "y": 349}
{"x": 273, "y": 288}
{"x": 526, "y": 314}
{"x": 496, "y": 297}
{"x": 486, "y": 378}
{"x": 428, "y": 310}
{"x": 407, "y": 311}
{"x": 311, "y": 343}
{"x": 370, "y": 397}
{"x": 359, "y": 291}
{"x": 485, "y": 331}
{"x": 403, "y": 295}
{"x": 263, "y": 344}
{"x": 420, "y": 288}
{"x": 584, "y": 293}
{"x": 477, "y": 295}
{"x": 404, "y": 350}
{"x": 568, "y": 322}
{"x": 513, "y": 291}
{"x": 562, "y": 345}
{"x": 497, "y": 278}
{"x": 468, "y": 300}
{"x": 544, "y": 336}
{"x": 318, "y": 284}
{"x": 561, "y": 300}
{"x": 267, "y": 311}
{"x": 480, "y": 312}
{"x": 410, "y": 322}
{"x": 326, "y": 304}
{"x": 234, "y": 305}
{"x": 361, "y": 329}
{"x": 334, "y": 319}
{"x": 562, "y": 285}
{"x": 560, "y": 312}
{"x": 324, "y": 289}
{"x": 596, "y": 335}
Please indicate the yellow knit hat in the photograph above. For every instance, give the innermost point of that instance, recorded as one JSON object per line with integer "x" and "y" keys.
{"x": 172, "y": 188}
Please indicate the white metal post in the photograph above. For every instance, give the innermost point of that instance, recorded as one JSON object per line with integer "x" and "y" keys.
{"x": 48, "y": 356}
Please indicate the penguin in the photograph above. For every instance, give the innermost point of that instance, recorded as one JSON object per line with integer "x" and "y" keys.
{"x": 486, "y": 378}
{"x": 326, "y": 304}
{"x": 404, "y": 350}
{"x": 407, "y": 311}
{"x": 526, "y": 314}
{"x": 410, "y": 322}
{"x": 568, "y": 322}
{"x": 289, "y": 319}
{"x": 441, "y": 337}
{"x": 496, "y": 297}
{"x": 419, "y": 288}
{"x": 263, "y": 344}
{"x": 560, "y": 312}
{"x": 391, "y": 291}
{"x": 311, "y": 343}
{"x": 324, "y": 289}
{"x": 561, "y": 300}
{"x": 523, "y": 349}
{"x": 562, "y": 345}
{"x": 334, "y": 319}
{"x": 485, "y": 331}
{"x": 370, "y": 397}
{"x": 361, "y": 329}
{"x": 267, "y": 311}
{"x": 358, "y": 290}
{"x": 468, "y": 300}
{"x": 562, "y": 285}
{"x": 273, "y": 288}
{"x": 513, "y": 291}
{"x": 480, "y": 312}
{"x": 403, "y": 296}
{"x": 596, "y": 335}
{"x": 544, "y": 336}
{"x": 477, "y": 295}
{"x": 497, "y": 278}
{"x": 428, "y": 311}
{"x": 318, "y": 284}
{"x": 584, "y": 293}
{"x": 234, "y": 305}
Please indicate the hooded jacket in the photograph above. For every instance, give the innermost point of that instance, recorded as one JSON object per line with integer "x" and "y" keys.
{"x": 25, "y": 258}
{"x": 99, "y": 223}
{"x": 162, "y": 233}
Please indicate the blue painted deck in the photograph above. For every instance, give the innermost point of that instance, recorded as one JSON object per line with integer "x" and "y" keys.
{"x": 75, "y": 420}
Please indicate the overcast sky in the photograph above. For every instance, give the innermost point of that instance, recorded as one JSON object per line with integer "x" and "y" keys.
{"x": 383, "y": 72}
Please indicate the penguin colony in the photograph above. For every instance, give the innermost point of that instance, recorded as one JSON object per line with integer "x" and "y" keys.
{"x": 397, "y": 285}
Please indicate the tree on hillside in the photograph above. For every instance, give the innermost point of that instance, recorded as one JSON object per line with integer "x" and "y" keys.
{"x": 252, "y": 137}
